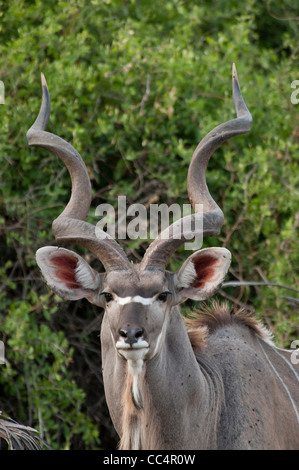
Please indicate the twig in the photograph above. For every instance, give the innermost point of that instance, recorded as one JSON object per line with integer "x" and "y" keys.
{"x": 147, "y": 93}
{"x": 289, "y": 18}
{"x": 236, "y": 301}
{"x": 251, "y": 283}
{"x": 291, "y": 301}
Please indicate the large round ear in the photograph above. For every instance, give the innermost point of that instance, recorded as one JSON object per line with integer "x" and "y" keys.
{"x": 68, "y": 274}
{"x": 202, "y": 273}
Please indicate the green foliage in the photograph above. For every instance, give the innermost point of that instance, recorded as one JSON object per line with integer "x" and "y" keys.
{"x": 134, "y": 87}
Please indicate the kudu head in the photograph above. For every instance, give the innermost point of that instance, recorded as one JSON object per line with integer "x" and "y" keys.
{"x": 137, "y": 298}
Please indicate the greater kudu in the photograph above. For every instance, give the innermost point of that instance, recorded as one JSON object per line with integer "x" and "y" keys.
{"x": 217, "y": 382}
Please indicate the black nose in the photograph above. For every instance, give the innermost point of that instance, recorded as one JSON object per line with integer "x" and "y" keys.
{"x": 131, "y": 335}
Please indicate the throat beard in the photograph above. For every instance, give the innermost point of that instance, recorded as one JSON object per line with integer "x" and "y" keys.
{"x": 135, "y": 369}
{"x": 140, "y": 423}
{"x": 132, "y": 406}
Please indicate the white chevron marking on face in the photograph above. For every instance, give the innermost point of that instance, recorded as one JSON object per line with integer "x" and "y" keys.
{"x": 135, "y": 298}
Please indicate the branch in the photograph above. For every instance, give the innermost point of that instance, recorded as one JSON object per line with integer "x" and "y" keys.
{"x": 252, "y": 283}
{"x": 288, "y": 18}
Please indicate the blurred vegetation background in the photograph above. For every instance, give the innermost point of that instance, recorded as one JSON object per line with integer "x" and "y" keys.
{"x": 135, "y": 85}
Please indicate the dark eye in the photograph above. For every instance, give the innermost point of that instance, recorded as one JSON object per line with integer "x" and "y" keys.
{"x": 163, "y": 296}
{"x": 108, "y": 296}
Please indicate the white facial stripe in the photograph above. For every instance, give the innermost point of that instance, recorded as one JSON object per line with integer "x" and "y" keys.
{"x": 158, "y": 343}
{"x": 161, "y": 335}
{"x": 136, "y": 298}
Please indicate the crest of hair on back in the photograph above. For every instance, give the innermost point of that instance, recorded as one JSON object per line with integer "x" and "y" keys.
{"x": 208, "y": 318}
